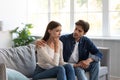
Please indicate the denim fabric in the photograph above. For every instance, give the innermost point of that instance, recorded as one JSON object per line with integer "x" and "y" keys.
{"x": 93, "y": 70}
{"x": 85, "y": 47}
{"x": 65, "y": 72}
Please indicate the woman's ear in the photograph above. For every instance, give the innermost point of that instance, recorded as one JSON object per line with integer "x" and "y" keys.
{"x": 49, "y": 31}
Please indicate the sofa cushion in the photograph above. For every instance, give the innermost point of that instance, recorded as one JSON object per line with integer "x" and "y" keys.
{"x": 20, "y": 58}
{"x": 15, "y": 75}
{"x": 103, "y": 70}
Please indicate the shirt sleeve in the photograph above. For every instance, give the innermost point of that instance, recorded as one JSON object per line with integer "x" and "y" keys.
{"x": 94, "y": 57}
{"x": 96, "y": 54}
{"x": 45, "y": 56}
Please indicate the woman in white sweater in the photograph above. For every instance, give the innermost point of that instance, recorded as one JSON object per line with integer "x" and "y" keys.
{"x": 50, "y": 62}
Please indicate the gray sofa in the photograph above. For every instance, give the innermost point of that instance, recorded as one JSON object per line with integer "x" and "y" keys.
{"x": 23, "y": 59}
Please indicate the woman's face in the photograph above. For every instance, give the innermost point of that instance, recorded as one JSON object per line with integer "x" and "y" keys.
{"x": 55, "y": 33}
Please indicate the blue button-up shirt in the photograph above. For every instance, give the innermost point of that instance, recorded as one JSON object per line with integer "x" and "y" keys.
{"x": 85, "y": 47}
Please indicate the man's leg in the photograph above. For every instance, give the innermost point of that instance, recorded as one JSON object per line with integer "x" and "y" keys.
{"x": 80, "y": 73}
{"x": 94, "y": 70}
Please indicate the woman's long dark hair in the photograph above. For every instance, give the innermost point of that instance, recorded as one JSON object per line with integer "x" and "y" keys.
{"x": 50, "y": 26}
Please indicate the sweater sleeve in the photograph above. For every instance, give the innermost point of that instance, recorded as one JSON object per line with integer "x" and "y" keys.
{"x": 61, "y": 54}
{"x": 45, "y": 56}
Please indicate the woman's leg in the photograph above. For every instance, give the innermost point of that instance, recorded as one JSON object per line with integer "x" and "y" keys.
{"x": 69, "y": 72}
{"x": 58, "y": 72}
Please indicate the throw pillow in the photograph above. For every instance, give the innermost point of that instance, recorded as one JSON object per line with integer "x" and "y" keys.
{"x": 15, "y": 75}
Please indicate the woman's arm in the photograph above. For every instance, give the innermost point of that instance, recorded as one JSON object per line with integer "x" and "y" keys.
{"x": 61, "y": 54}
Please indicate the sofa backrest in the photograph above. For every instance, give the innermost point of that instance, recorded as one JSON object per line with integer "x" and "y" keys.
{"x": 20, "y": 58}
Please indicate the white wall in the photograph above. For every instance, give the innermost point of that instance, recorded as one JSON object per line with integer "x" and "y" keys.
{"x": 13, "y": 13}
{"x": 5, "y": 39}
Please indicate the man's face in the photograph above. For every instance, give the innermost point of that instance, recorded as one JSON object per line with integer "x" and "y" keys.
{"x": 78, "y": 32}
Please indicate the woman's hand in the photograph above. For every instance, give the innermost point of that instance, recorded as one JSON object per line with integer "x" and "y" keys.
{"x": 56, "y": 44}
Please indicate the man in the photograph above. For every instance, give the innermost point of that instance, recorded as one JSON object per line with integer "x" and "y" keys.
{"x": 81, "y": 52}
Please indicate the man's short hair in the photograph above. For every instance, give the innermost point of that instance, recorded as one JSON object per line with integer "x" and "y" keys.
{"x": 83, "y": 24}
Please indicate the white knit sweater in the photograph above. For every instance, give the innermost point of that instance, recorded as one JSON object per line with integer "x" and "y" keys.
{"x": 48, "y": 59}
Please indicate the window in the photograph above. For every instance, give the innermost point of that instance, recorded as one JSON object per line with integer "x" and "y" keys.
{"x": 41, "y": 12}
{"x": 60, "y": 11}
{"x": 114, "y": 16}
{"x": 103, "y": 15}
{"x": 38, "y": 11}
{"x": 91, "y": 11}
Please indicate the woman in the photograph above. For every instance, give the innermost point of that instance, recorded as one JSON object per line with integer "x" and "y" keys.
{"x": 50, "y": 59}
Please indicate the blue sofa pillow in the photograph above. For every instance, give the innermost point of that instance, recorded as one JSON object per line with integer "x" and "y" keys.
{"x": 15, "y": 75}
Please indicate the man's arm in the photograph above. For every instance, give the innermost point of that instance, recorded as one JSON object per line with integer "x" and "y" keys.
{"x": 84, "y": 63}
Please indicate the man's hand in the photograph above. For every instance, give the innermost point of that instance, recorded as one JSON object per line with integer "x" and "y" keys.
{"x": 40, "y": 43}
{"x": 84, "y": 63}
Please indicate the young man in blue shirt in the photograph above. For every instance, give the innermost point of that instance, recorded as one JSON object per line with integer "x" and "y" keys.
{"x": 81, "y": 52}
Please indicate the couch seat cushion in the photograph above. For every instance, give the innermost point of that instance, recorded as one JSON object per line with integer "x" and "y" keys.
{"x": 103, "y": 71}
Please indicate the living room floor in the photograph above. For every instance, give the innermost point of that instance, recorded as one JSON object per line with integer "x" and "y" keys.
{"x": 112, "y": 78}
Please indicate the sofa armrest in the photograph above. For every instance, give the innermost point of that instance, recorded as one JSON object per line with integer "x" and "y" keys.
{"x": 105, "y": 61}
{"x": 2, "y": 71}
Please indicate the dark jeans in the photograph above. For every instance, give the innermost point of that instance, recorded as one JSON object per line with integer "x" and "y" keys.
{"x": 93, "y": 70}
{"x": 65, "y": 72}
